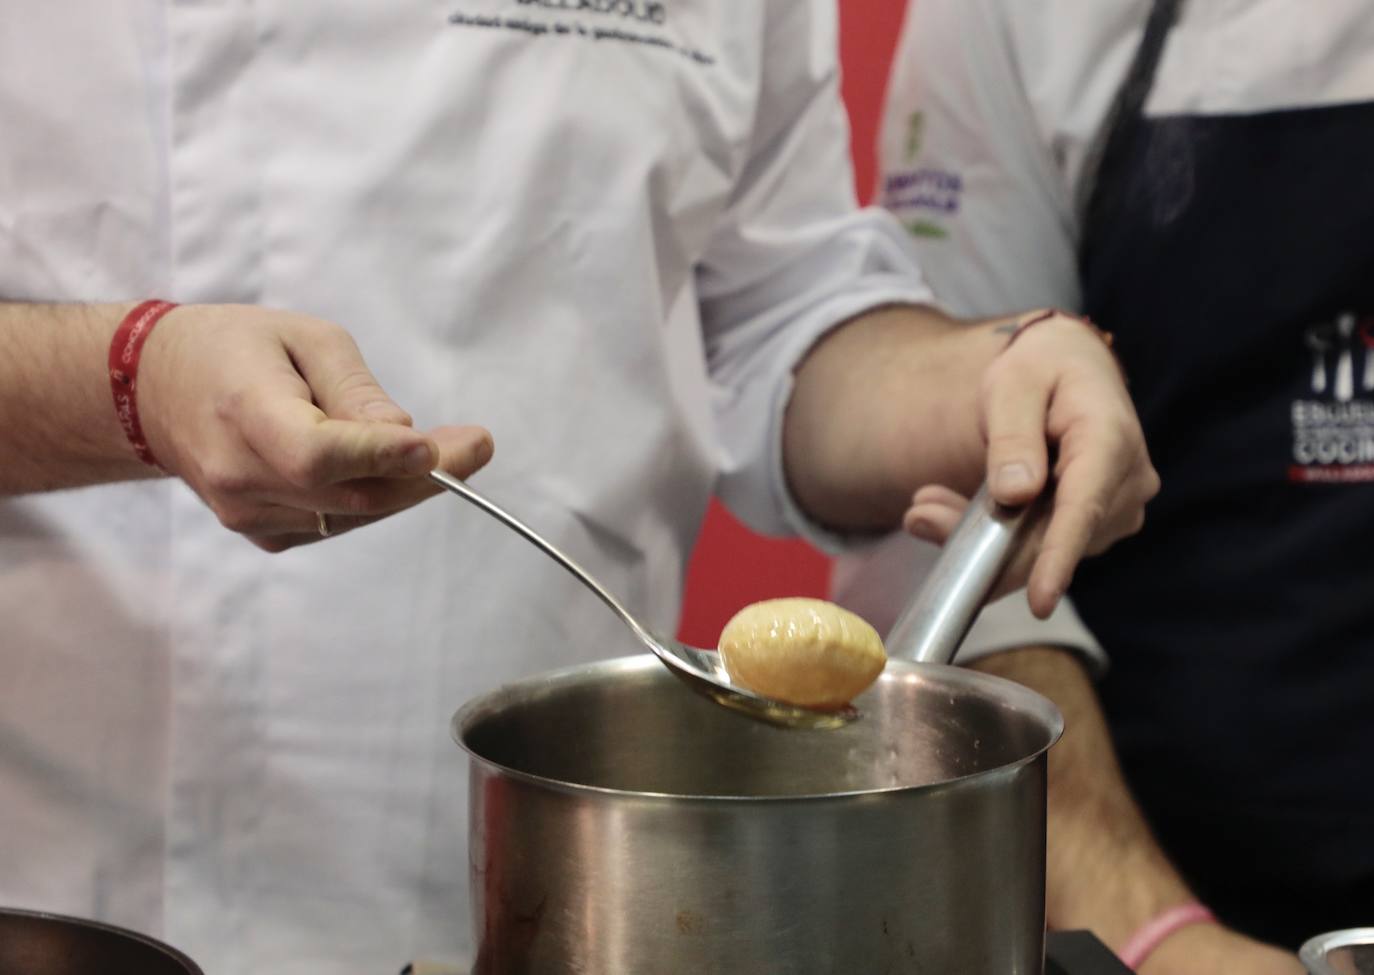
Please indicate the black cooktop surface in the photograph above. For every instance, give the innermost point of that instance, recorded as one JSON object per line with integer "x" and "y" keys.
{"x": 1079, "y": 953}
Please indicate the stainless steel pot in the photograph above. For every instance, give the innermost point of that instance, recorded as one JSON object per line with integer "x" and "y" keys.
{"x": 34, "y": 943}
{"x": 622, "y": 827}
{"x": 1348, "y": 952}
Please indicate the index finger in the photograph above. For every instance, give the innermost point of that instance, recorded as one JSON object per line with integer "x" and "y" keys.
{"x": 329, "y": 360}
{"x": 307, "y": 449}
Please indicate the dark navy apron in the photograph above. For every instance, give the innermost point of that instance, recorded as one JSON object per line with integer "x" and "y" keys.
{"x": 1233, "y": 257}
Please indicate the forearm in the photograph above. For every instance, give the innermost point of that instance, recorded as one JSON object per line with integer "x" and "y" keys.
{"x": 57, "y": 423}
{"x": 886, "y": 403}
{"x": 1106, "y": 873}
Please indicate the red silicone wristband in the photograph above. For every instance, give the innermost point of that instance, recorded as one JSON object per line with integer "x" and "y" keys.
{"x": 126, "y": 348}
{"x": 1149, "y": 935}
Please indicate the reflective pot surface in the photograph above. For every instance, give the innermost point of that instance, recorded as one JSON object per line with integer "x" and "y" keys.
{"x": 33, "y": 943}
{"x": 1348, "y": 952}
{"x": 621, "y": 825}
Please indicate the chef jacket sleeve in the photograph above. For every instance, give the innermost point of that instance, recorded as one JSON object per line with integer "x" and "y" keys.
{"x": 792, "y": 257}
{"x": 968, "y": 168}
{"x": 1008, "y": 624}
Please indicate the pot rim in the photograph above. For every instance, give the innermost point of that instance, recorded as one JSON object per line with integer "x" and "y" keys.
{"x": 1315, "y": 949}
{"x": 1007, "y": 692}
{"x": 126, "y": 933}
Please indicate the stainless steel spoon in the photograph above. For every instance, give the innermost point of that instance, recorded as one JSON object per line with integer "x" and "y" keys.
{"x": 930, "y": 629}
{"x": 700, "y": 669}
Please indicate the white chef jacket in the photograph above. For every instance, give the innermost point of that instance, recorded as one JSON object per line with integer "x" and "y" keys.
{"x": 992, "y": 107}
{"x": 606, "y": 231}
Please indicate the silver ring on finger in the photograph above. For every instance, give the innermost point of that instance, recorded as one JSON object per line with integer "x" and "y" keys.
{"x": 322, "y": 523}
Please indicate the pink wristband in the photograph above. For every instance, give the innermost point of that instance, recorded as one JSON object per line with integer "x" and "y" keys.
{"x": 1149, "y": 935}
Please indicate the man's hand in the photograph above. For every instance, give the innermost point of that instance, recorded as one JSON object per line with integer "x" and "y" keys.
{"x": 1056, "y": 385}
{"x": 1210, "y": 949}
{"x": 905, "y": 396}
{"x": 272, "y": 417}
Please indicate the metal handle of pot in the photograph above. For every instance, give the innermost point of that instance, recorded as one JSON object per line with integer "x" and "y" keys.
{"x": 940, "y": 614}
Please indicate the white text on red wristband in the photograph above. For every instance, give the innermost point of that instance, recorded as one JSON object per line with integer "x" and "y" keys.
{"x": 126, "y": 348}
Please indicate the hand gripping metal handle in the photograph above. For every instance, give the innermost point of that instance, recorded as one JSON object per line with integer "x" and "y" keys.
{"x": 940, "y": 614}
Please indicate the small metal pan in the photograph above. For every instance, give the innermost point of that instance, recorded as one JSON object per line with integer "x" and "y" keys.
{"x": 34, "y": 943}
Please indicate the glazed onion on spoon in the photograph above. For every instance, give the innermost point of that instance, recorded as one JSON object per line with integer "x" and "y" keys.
{"x": 806, "y": 652}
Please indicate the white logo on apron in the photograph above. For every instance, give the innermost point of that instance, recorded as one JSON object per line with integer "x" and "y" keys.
{"x": 1333, "y": 433}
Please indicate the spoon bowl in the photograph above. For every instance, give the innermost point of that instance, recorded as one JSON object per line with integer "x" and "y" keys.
{"x": 702, "y": 670}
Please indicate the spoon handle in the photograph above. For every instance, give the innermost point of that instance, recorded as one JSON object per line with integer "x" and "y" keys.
{"x": 453, "y": 484}
{"x": 938, "y": 618}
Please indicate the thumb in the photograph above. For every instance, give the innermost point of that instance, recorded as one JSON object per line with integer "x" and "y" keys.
{"x": 1015, "y": 409}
